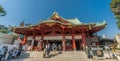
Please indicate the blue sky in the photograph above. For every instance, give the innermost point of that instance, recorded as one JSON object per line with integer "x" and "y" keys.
{"x": 32, "y": 11}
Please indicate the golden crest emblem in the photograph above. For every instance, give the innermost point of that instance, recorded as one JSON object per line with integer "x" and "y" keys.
{"x": 99, "y": 52}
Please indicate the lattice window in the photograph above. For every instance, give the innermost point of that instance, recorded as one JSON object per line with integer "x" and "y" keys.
{"x": 77, "y": 32}
{"x": 48, "y": 32}
{"x": 67, "y": 32}
{"x": 38, "y": 33}
{"x": 57, "y": 27}
{"x": 57, "y": 32}
{"x": 30, "y": 33}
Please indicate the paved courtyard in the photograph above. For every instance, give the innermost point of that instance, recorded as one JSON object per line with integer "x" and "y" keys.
{"x": 64, "y": 56}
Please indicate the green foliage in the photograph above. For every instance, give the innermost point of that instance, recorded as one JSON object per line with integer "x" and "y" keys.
{"x": 115, "y": 7}
{"x": 118, "y": 24}
{"x": 117, "y": 17}
{"x": 2, "y": 11}
{"x": 3, "y": 31}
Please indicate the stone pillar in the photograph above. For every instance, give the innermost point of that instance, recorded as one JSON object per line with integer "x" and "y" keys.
{"x": 73, "y": 40}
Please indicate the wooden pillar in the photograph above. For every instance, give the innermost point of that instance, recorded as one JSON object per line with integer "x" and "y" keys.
{"x": 97, "y": 43}
{"x": 80, "y": 44}
{"x": 38, "y": 45}
{"x": 83, "y": 40}
{"x": 63, "y": 41}
{"x": 97, "y": 40}
{"x": 73, "y": 40}
{"x": 41, "y": 41}
{"x": 25, "y": 39}
{"x": 33, "y": 40}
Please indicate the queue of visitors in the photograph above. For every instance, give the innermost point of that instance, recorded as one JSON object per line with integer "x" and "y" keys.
{"x": 6, "y": 54}
{"x": 51, "y": 47}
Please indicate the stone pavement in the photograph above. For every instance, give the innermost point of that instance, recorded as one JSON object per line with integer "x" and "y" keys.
{"x": 64, "y": 56}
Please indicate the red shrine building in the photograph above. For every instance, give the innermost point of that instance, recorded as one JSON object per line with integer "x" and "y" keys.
{"x": 71, "y": 34}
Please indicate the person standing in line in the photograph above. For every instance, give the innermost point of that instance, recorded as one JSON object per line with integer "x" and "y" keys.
{"x": 48, "y": 49}
{"x": 90, "y": 53}
{"x": 6, "y": 50}
{"x": 10, "y": 54}
{"x": 14, "y": 53}
{"x": 54, "y": 48}
{"x": 2, "y": 53}
{"x": 45, "y": 51}
{"x": 59, "y": 47}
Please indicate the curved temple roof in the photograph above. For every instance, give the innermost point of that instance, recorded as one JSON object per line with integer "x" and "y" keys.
{"x": 55, "y": 18}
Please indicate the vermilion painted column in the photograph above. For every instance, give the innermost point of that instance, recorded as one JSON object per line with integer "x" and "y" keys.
{"x": 25, "y": 39}
{"x": 33, "y": 40}
{"x": 41, "y": 41}
{"x": 83, "y": 40}
{"x": 80, "y": 44}
{"x": 63, "y": 41}
{"x": 73, "y": 40}
{"x": 97, "y": 41}
{"x": 38, "y": 45}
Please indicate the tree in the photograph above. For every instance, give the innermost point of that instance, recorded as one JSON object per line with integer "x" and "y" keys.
{"x": 2, "y": 11}
{"x": 3, "y": 31}
{"x": 115, "y": 7}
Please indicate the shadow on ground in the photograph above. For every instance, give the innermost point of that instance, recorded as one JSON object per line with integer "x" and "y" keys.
{"x": 53, "y": 55}
{"x": 23, "y": 56}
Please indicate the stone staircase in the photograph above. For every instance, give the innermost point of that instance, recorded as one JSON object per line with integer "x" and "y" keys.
{"x": 63, "y": 56}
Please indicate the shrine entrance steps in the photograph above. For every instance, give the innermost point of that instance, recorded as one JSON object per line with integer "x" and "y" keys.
{"x": 63, "y": 56}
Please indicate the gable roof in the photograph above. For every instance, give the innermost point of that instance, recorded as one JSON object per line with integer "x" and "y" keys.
{"x": 74, "y": 21}
{"x": 56, "y": 18}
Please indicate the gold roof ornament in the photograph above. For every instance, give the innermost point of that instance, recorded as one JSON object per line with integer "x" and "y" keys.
{"x": 55, "y": 16}
{"x": 90, "y": 27}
